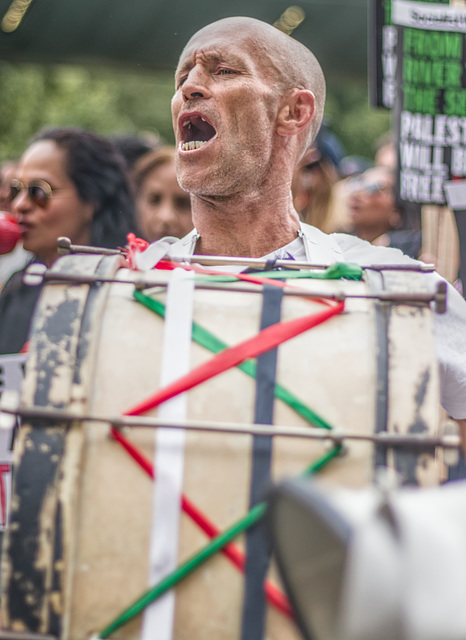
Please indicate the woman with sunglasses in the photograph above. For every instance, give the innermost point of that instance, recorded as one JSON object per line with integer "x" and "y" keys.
{"x": 17, "y": 258}
{"x": 69, "y": 183}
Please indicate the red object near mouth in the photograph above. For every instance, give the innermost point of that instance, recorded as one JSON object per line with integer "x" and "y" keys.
{"x": 10, "y": 232}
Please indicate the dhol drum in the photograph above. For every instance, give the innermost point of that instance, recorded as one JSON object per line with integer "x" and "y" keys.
{"x": 89, "y": 532}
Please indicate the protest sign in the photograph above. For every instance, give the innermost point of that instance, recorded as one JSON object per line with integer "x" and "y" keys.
{"x": 430, "y": 105}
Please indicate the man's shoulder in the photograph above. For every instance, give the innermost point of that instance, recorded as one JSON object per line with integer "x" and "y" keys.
{"x": 349, "y": 248}
{"x": 364, "y": 253}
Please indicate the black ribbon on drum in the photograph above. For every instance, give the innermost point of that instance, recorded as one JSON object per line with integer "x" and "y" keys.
{"x": 257, "y": 547}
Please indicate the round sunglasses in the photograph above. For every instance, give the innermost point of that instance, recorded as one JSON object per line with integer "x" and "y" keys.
{"x": 39, "y": 191}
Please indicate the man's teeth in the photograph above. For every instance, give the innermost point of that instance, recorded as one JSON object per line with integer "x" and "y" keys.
{"x": 187, "y": 123}
{"x": 194, "y": 144}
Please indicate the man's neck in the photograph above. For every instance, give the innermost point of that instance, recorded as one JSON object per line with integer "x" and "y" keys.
{"x": 243, "y": 227}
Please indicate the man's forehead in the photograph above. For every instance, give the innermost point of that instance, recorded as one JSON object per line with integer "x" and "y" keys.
{"x": 229, "y": 34}
{"x": 212, "y": 42}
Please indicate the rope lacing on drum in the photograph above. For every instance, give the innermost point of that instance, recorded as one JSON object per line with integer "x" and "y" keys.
{"x": 225, "y": 358}
{"x": 218, "y": 543}
{"x": 206, "y": 339}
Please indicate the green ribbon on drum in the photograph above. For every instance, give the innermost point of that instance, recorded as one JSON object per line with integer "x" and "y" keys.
{"x": 337, "y": 271}
{"x": 213, "y": 344}
{"x": 206, "y": 339}
{"x": 185, "y": 569}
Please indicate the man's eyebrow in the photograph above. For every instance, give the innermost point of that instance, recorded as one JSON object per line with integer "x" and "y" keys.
{"x": 228, "y": 58}
{"x": 212, "y": 56}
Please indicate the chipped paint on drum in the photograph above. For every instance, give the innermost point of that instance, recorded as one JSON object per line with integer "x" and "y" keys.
{"x": 39, "y": 543}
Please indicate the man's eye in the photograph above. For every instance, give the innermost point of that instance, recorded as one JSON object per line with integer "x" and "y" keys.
{"x": 225, "y": 72}
{"x": 181, "y": 80}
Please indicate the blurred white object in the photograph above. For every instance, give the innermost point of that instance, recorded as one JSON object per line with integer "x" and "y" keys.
{"x": 373, "y": 564}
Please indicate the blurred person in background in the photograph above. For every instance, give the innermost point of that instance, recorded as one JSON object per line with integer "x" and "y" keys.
{"x": 162, "y": 207}
{"x": 385, "y": 151}
{"x": 350, "y": 167}
{"x": 375, "y": 215}
{"x": 133, "y": 146}
{"x": 18, "y": 257}
{"x": 7, "y": 173}
{"x": 354, "y": 165}
{"x": 71, "y": 183}
{"x": 314, "y": 179}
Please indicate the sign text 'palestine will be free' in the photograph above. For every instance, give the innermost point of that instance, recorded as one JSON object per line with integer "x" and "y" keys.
{"x": 431, "y": 107}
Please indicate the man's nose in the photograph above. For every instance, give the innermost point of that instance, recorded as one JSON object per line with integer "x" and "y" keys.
{"x": 196, "y": 84}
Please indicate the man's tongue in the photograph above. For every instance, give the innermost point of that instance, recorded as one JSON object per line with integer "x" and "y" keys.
{"x": 196, "y": 132}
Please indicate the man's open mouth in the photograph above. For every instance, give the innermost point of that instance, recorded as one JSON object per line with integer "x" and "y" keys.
{"x": 195, "y": 132}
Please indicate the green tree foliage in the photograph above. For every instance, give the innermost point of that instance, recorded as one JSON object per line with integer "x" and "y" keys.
{"x": 108, "y": 102}
{"x": 356, "y": 123}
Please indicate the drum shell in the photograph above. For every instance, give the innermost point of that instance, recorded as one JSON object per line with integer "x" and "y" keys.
{"x": 107, "y": 500}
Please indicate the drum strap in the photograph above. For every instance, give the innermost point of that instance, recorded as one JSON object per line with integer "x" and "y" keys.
{"x": 169, "y": 454}
{"x": 257, "y": 548}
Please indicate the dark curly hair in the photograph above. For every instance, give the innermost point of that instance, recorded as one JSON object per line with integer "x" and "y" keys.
{"x": 99, "y": 173}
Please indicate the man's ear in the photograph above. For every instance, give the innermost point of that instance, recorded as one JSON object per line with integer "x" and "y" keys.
{"x": 296, "y": 113}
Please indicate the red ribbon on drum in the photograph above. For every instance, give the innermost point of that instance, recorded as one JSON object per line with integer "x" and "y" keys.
{"x": 267, "y": 339}
{"x": 274, "y": 596}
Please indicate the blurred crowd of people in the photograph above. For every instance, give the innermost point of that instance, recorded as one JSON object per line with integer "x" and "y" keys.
{"x": 353, "y": 194}
{"x": 91, "y": 189}
{"x": 95, "y": 190}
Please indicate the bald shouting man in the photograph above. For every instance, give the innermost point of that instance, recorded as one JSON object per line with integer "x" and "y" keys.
{"x": 249, "y": 100}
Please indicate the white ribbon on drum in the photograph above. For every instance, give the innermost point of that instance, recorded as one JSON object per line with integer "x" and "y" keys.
{"x": 169, "y": 454}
